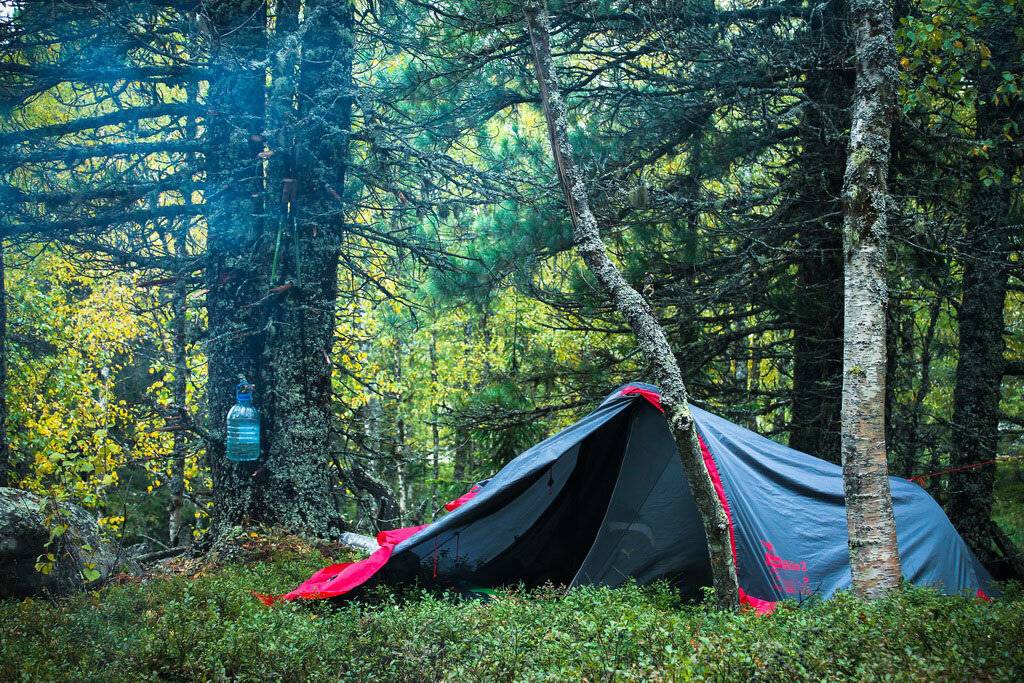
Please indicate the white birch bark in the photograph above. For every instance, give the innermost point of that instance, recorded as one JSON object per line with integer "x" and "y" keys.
{"x": 874, "y": 555}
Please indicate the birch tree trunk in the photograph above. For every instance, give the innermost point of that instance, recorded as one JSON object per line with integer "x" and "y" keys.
{"x": 874, "y": 556}
{"x": 634, "y": 308}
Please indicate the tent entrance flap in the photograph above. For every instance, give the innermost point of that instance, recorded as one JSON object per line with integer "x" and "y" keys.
{"x": 542, "y": 534}
{"x": 651, "y": 528}
{"x": 554, "y": 547}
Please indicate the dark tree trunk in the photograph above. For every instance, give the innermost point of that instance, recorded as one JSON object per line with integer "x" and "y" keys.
{"x": 298, "y": 478}
{"x": 235, "y": 276}
{"x": 435, "y": 434}
{"x": 979, "y": 374}
{"x": 686, "y": 326}
{"x": 874, "y": 554}
{"x": 462, "y": 453}
{"x": 463, "y": 462}
{"x": 649, "y": 334}
{"x": 6, "y": 476}
{"x": 907, "y": 462}
{"x": 401, "y": 458}
{"x": 397, "y": 464}
{"x": 818, "y": 301}
{"x": 179, "y": 389}
{"x": 817, "y": 348}
{"x": 179, "y": 340}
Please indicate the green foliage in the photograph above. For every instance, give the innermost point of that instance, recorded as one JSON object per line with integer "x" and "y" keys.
{"x": 1008, "y": 503}
{"x": 211, "y": 628}
{"x": 74, "y": 333}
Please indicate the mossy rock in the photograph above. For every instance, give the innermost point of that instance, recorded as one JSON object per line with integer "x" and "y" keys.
{"x": 81, "y": 557}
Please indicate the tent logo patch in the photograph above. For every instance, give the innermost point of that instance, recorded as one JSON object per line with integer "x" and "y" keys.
{"x": 790, "y": 577}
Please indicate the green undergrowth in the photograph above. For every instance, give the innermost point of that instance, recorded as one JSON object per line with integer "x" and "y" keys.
{"x": 209, "y": 627}
{"x": 1008, "y": 504}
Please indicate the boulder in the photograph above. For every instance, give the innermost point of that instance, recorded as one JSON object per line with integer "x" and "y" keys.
{"x": 82, "y": 558}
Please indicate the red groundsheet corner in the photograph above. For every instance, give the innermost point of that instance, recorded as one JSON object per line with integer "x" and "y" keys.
{"x": 338, "y": 579}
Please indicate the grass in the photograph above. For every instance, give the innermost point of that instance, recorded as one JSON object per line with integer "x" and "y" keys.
{"x": 207, "y": 626}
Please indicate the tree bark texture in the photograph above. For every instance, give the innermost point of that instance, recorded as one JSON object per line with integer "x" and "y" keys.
{"x": 874, "y": 556}
{"x": 234, "y": 274}
{"x": 297, "y": 479}
{"x": 818, "y": 304}
{"x": 986, "y": 263}
{"x": 634, "y": 308}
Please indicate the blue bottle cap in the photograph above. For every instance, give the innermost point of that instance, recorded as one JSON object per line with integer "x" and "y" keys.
{"x": 243, "y": 392}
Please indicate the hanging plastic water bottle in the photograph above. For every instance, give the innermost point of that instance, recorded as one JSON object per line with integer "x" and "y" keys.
{"x": 243, "y": 443}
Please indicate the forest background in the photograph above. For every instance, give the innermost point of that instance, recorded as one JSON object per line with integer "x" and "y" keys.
{"x": 352, "y": 205}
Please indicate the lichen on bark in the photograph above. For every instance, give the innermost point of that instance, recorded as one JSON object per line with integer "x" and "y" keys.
{"x": 874, "y": 555}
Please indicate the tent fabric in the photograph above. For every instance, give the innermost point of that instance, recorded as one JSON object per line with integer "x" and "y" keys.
{"x": 467, "y": 496}
{"x": 606, "y": 501}
{"x": 646, "y": 533}
{"x": 789, "y": 519}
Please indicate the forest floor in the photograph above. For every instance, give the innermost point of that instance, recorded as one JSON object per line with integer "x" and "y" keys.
{"x": 199, "y": 621}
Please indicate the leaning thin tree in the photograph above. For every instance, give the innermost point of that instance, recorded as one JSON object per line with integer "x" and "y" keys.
{"x": 874, "y": 555}
{"x": 634, "y": 308}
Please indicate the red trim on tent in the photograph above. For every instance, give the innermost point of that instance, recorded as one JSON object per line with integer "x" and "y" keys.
{"x": 653, "y": 397}
{"x": 463, "y": 499}
{"x": 761, "y": 606}
{"x": 983, "y": 596}
{"x": 338, "y": 579}
{"x": 716, "y": 480}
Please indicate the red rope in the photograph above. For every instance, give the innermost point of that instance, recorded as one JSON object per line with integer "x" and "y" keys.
{"x": 921, "y": 477}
